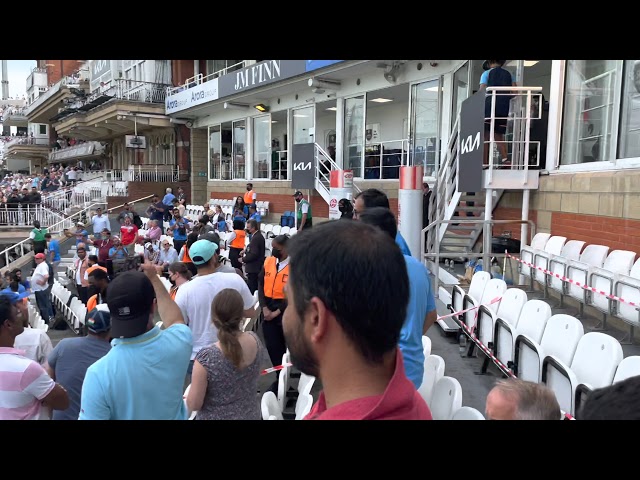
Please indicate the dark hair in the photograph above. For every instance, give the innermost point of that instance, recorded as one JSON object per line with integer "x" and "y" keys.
{"x": 181, "y": 269}
{"x": 253, "y": 207}
{"x": 382, "y": 218}
{"x": 619, "y": 401}
{"x": 363, "y": 283}
{"x": 238, "y": 224}
{"x": 47, "y": 235}
{"x": 250, "y": 184}
{"x": 348, "y": 205}
{"x": 372, "y": 197}
{"x": 252, "y": 222}
{"x": 227, "y": 314}
{"x": 191, "y": 239}
{"x": 98, "y": 274}
{"x": 281, "y": 240}
{"x": 93, "y": 258}
{"x": 14, "y": 285}
{"x": 6, "y": 312}
{"x": 175, "y": 200}
{"x": 205, "y": 219}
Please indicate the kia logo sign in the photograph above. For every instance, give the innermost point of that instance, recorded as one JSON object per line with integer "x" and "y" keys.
{"x": 302, "y": 166}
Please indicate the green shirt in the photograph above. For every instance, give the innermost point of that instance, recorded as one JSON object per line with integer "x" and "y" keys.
{"x": 309, "y": 216}
{"x": 39, "y": 234}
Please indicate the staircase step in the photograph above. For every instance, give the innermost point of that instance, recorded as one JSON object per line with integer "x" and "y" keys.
{"x": 446, "y": 243}
{"x": 456, "y": 217}
{"x": 465, "y": 208}
{"x": 467, "y": 226}
{"x": 472, "y": 198}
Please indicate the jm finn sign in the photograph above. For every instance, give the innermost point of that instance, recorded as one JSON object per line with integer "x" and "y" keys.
{"x": 260, "y": 74}
{"x": 197, "y": 95}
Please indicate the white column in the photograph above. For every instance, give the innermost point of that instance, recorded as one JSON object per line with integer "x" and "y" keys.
{"x": 340, "y": 132}
{"x": 410, "y": 208}
{"x": 524, "y": 228}
{"x": 196, "y": 67}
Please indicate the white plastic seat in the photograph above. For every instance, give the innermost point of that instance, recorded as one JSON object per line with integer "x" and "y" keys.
{"x": 593, "y": 366}
{"x": 476, "y": 288}
{"x": 285, "y": 230}
{"x": 467, "y": 413}
{"x": 509, "y": 309}
{"x": 531, "y": 322}
{"x": 447, "y": 398}
{"x": 433, "y": 371}
{"x": 541, "y": 257}
{"x": 495, "y": 288}
{"x": 269, "y": 406}
{"x": 629, "y": 367}
{"x": 276, "y": 230}
{"x": 305, "y": 384}
{"x": 283, "y": 384}
{"x": 592, "y": 256}
{"x": 558, "y": 263}
{"x": 303, "y": 405}
{"x": 426, "y": 346}
{"x": 618, "y": 262}
{"x": 627, "y": 287}
{"x": 560, "y": 338}
{"x": 538, "y": 242}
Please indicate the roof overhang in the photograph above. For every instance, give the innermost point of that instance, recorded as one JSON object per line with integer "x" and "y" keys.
{"x": 47, "y": 105}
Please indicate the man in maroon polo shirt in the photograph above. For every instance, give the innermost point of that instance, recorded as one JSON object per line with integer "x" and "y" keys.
{"x": 104, "y": 244}
{"x": 347, "y": 304}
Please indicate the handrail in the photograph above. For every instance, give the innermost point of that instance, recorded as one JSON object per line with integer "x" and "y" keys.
{"x": 131, "y": 202}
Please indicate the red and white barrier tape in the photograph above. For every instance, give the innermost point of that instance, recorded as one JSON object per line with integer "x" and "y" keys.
{"x": 573, "y": 282}
{"x": 275, "y": 369}
{"x": 497, "y": 299}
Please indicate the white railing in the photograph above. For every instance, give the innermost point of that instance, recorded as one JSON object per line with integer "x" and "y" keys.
{"x": 27, "y": 141}
{"x": 153, "y": 173}
{"x": 200, "y": 78}
{"x": 133, "y": 90}
{"x": 23, "y": 216}
{"x": 87, "y": 191}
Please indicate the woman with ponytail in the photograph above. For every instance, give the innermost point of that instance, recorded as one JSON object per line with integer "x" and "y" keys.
{"x": 225, "y": 375}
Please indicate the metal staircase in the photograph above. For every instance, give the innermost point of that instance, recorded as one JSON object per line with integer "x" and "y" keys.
{"x": 324, "y": 165}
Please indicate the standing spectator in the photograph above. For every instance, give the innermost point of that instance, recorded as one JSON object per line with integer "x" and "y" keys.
{"x": 69, "y": 361}
{"x": 38, "y": 237}
{"x": 421, "y": 309}
{"x": 35, "y": 343}
{"x": 252, "y": 257}
{"x": 72, "y": 176}
{"x": 117, "y": 251}
{"x": 219, "y": 219}
{"x": 303, "y": 211}
{"x": 17, "y": 276}
{"x": 426, "y": 198}
{"x": 273, "y": 302}
{"x": 236, "y": 241}
{"x": 142, "y": 377}
{"x": 40, "y": 279}
{"x": 178, "y": 226}
{"x": 98, "y": 282}
{"x": 225, "y": 374}
{"x": 241, "y": 207}
{"x": 167, "y": 200}
{"x": 81, "y": 235}
{"x": 250, "y": 196}
{"x": 100, "y": 222}
{"x": 81, "y": 264}
{"x": 181, "y": 197}
{"x": 26, "y": 391}
{"x": 326, "y": 330}
{"x": 181, "y": 208}
{"x": 179, "y": 274}
{"x": 515, "y": 399}
{"x": 126, "y": 212}
{"x": 346, "y": 209}
{"x": 35, "y": 198}
{"x": 104, "y": 245}
{"x": 129, "y": 235}
{"x": 53, "y": 246}
{"x": 156, "y": 212}
{"x": 195, "y": 297}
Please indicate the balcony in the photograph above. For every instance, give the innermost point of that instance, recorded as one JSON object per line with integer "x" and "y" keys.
{"x": 27, "y": 148}
{"x": 46, "y": 105}
{"x": 81, "y": 151}
{"x": 15, "y": 117}
{"x": 199, "y": 79}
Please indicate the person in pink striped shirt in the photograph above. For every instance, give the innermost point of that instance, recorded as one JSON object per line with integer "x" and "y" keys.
{"x": 26, "y": 390}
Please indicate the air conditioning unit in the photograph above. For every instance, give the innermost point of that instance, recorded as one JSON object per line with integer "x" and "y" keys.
{"x": 133, "y": 141}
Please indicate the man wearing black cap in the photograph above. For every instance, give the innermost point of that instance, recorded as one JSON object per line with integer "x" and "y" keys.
{"x": 69, "y": 361}
{"x": 303, "y": 211}
{"x": 142, "y": 377}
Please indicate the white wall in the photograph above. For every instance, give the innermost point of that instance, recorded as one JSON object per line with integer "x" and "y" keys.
{"x": 391, "y": 117}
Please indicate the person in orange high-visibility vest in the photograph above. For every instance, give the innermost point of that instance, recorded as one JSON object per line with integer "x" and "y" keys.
{"x": 271, "y": 281}
{"x": 98, "y": 281}
{"x": 236, "y": 242}
{"x": 183, "y": 255}
{"x": 250, "y": 196}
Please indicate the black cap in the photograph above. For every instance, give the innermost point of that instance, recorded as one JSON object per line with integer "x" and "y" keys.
{"x": 130, "y": 298}
{"x": 298, "y": 192}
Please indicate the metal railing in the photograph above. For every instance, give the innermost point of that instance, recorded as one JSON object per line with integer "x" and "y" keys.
{"x": 382, "y": 162}
{"x": 153, "y": 173}
{"x": 200, "y": 78}
{"x": 28, "y": 141}
{"x": 134, "y": 91}
{"x": 485, "y": 255}
{"x": 24, "y": 215}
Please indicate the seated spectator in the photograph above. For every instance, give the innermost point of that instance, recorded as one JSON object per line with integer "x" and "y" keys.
{"x": 225, "y": 374}
{"x": 167, "y": 256}
{"x": 151, "y": 253}
{"x": 620, "y": 401}
{"x": 515, "y": 399}
{"x": 154, "y": 232}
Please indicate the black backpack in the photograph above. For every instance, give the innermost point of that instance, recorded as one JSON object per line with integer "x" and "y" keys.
{"x": 137, "y": 221}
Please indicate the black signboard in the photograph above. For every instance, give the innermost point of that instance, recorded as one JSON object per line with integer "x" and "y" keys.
{"x": 471, "y": 143}
{"x": 303, "y": 174}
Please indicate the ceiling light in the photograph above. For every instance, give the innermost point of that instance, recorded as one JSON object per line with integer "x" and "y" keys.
{"x": 431, "y": 89}
{"x": 333, "y": 109}
{"x": 261, "y": 107}
{"x": 236, "y": 106}
{"x": 530, "y": 63}
{"x": 381, "y": 100}
{"x": 299, "y": 115}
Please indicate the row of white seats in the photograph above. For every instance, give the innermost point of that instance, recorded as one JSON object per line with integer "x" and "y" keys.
{"x": 73, "y": 311}
{"x": 552, "y": 349}
{"x": 442, "y": 394}
{"x": 35, "y": 319}
{"x": 612, "y": 272}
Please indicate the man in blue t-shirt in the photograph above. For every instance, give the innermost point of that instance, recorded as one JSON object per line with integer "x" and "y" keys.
{"x": 142, "y": 376}
{"x": 253, "y": 214}
{"x": 370, "y": 198}
{"x": 421, "y": 310}
{"x": 53, "y": 247}
{"x": 180, "y": 227}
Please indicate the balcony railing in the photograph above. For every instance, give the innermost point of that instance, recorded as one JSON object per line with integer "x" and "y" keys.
{"x": 24, "y": 216}
{"x": 73, "y": 80}
{"x": 198, "y": 79}
{"x": 133, "y": 90}
{"x": 153, "y": 173}
{"x": 27, "y": 141}
{"x": 10, "y": 111}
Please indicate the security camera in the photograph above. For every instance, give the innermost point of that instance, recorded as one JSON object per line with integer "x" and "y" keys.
{"x": 433, "y": 64}
{"x": 189, "y": 124}
{"x": 318, "y": 90}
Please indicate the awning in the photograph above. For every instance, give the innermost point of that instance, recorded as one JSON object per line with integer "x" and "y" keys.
{"x": 83, "y": 151}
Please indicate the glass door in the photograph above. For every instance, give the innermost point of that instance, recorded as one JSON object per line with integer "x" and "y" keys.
{"x": 460, "y": 91}
{"x": 261, "y": 146}
{"x": 304, "y": 125}
{"x": 354, "y": 136}
{"x": 424, "y": 135}
{"x": 215, "y": 149}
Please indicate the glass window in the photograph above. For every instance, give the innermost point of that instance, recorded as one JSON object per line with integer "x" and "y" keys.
{"x": 239, "y": 143}
{"x": 630, "y": 119}
{"x": 460, "y": 90}
{"x": 588, "y": 112}
{"x": 425, "y": 116}
{"x": 261, "y": 146}
{"x": 215, "y": 149}
{"x": 303, "y": 122}
{"x": 354, "y": 134}
{"x": 43, "y": 129}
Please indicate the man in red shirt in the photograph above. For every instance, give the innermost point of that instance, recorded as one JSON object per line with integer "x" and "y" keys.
{"x": 129, "y": 235}
{"x": 103, "y": 245}
{"x": 347, "y": 304}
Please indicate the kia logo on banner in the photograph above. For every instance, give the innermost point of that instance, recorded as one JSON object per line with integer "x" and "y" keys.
{"x": 303, "y": 174}
{"x": 471, "y": 143}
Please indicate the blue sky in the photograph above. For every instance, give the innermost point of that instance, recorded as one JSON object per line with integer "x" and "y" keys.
{"x": 18, "y": 71}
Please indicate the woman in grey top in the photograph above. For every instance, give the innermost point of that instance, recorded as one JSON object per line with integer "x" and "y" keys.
{"x": 225, "y": 375}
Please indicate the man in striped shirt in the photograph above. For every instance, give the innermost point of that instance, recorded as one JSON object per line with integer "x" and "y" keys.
{"x": 25, "y": 387}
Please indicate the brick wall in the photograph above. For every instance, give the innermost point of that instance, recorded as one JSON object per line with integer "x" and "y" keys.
{"x": 511, "y": 213}
{"x": 199, "y": 158}
{"x": 181, "y": 70}
{"x": 616, "y": 233}
{"x": 142, "y": 189}
{"x": 60, "y": 68}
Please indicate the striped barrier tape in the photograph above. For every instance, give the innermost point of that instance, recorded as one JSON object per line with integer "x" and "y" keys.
{"x": 275, "y": 369}
{"x": 573, "y": 282}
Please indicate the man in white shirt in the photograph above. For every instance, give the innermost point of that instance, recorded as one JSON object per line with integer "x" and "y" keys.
{"x": 166, "y": 257}
{"x": 35, "y": 343}
{"x": 196, "y": 296}
{"x": 100, "y": 222}
{"x": 40, "y": 285}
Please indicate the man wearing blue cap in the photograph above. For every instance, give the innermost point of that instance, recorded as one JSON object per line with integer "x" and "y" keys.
{"x": 68, "y": 362}
{"x": 196, "y": 296}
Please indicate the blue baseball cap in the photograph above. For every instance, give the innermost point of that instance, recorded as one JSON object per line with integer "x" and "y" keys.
{"x": 202, "y": 251}
{"x": 99, "y": 319}
{"x": 14, "y": 297}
